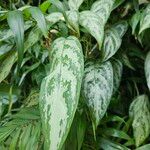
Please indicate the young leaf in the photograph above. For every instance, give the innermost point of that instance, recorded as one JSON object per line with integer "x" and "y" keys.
{"x": 93, "y": 24}
{"x": 103, "y": 9}
{"x": 97, "y": 88}
{"x": 16, "y": 23}
{"x": 40, "y": 19}
{"x": 73, "y": 20}
{"x": 140, "y": 113}
{"x": 75, "y": 4}
{"x": 147, "y": 69}
{"x": 145, "y": 19}
{"x": 60, "y": 90}
{"x": 117, "y": 71}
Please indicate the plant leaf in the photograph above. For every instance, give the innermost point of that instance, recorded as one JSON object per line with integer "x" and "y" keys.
{"x": 116, "y": 133}
{"x": 16, "y": 24}
{"x": 92, "y": 23}
{"x": 112, "y": 40}
{"x": 110, "y": 145}
{"x": 73, "y": 20}
{"x": 144, "y": 147}
{"x": 40, "y": 19}
{"x": 135, "y": 21}
{"x": 54, "y": 17}
{"x": 97, "y": 88}
{"x": 140, "y": 111}
{"x": 74, "y": 4}
{"x": 117, "y": 71}
{"x": 60, "y": 90}
{"x": 145, "y": 19}
{"x": 103, "y": 9}
{"x": 7, "y": 64}
{"x": 147, "y": 69}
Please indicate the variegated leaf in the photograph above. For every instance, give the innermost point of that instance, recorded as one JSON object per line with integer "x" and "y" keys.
{"x": 75, "y": 4}
{"x": 112, "y": 40}
{"x": 140, "y": 113}
{"x": 121, "y": 27}
{"x": 103, "y": 9}
{"x": 117, "y": 73}
{"x": 93, "y": 24}
{"x": 54, "y": 17}
{"x": 145, "y": 20}
{"x": 147, "y": 69}
{"x": 97, "y": 88}
{"x": 73, "y": 20}
{"x": 60, "y": 91}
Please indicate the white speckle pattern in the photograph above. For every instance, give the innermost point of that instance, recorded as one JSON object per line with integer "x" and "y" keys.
{"x": 97, "y": 88}
{"x": 147, "y": 69}
{"x": 60, "y": 90}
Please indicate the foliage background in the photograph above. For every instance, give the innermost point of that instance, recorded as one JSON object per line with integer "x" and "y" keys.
{"x": 19, "y": 92}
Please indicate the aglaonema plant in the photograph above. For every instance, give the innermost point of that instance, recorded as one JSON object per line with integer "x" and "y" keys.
{"x": 75, "y": 59}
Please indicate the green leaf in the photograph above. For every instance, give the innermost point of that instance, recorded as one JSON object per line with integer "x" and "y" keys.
{"x": 103, "y": 9}
{"x": 112, "y": 42}
{"x": 115, "y": 133}
{"x": 121, "y": 28}
{"x": 7, "y": 64}
{"x": 117, "y": 71}
{"x": 145, "y": 19}
{"x": 117, "y": 3}
{"x": 4, "y": 48}
{"x": 92, "y": 23}
{"x": 75, "y": 4}
{"x": 44, "y": 6}
{"x": 60, "y": 90}
{"x": 59, "y": 5}
{"x": 16, "y": 23}
{"x": 140, "y": 111}
{"x": 54, "y": 17}
{"x": 135, "y": 20}
{"x": 40, "y": 19}
{"x": 144, "y": 147}
{"x": 73, "y": 20}
{"x": 97, "y": 88}
{"x": 147, "y": 69}
{"x": 14, "y": 141}
{"x": 110, "y": 145}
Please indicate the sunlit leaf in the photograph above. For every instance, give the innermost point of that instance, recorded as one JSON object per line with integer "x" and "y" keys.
{"x": 60, "y": 90}
{"x": 93, "y": 24}
{"x": 140, "y": 112}
{"x": 75, "y": 4}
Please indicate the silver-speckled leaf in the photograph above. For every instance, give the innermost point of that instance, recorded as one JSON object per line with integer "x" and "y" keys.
{"x": 73, "y": 20}
{"x": 121, "y": 27}
{"x": 97, "y": 88}
{"x": 75, "y": 4}
{"x": 112, "y": 40}
{"x": 93, "y": 24}
{"x": 145, "y": 19}
{"x": 117, "y": 71}
{"x": 147, "y": 69}
{"x": 140, "y": 113}
{"x": 103, "y": 9}
{"x": 60, "y": 90}
{"x": 54, "y": 17}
